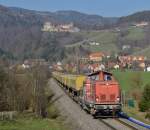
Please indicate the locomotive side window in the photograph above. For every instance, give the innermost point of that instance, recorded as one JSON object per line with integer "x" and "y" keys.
{"x": 94, "y": 77}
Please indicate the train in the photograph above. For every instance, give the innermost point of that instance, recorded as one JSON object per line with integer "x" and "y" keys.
{"x": 98, "y": 92}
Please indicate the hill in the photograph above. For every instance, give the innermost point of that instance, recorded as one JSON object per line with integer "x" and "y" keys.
{"x": 136, "y": 17}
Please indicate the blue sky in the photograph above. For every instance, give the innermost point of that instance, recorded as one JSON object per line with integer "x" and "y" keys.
{"x": 101, "y": 7}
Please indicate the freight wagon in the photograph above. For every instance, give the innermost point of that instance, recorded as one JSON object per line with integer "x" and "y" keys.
{"x": 98, "y": 93}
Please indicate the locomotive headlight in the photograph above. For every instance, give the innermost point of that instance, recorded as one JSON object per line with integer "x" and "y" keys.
{"x": 118, "y": 99}
{"x": 97, "y": 99}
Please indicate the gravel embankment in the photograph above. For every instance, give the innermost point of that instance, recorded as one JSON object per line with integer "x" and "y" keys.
{"x": 72, "y": 111}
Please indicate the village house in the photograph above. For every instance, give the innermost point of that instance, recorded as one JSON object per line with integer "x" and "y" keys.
{"x": 141, "y": 24}
{"x": 33, "y": 62}
{"x": 94, "y": 43}
{"x": 125, "y": 47}
{"x": 97, "y": 56}
{"x": 130, "y": 60}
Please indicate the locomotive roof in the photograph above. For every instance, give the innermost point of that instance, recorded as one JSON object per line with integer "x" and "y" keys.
{"x": 97, "y": 72}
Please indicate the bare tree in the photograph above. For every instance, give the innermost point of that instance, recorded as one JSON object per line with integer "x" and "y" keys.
{"x": 39, "y": 84}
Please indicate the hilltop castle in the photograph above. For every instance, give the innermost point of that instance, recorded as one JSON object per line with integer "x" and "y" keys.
{"x": 49, "y": 27}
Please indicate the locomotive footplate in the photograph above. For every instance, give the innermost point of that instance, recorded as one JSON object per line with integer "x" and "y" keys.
{"x": 106, "y": 109}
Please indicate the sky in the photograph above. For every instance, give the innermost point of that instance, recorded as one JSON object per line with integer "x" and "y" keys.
{"x": 107, "y": 8}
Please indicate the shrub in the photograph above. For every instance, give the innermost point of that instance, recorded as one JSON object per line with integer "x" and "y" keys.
{"x": 144, "y": 104}
{"x": 148, "y": 115}
{"x": 53, "y": 113}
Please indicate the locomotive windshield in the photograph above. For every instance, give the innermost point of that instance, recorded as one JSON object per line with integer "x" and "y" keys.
{"x": 101, "y": 76}
{"x": 107, "y": 77}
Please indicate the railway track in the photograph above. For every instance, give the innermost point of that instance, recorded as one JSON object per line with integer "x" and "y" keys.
{"x": 108, "y": 124}
{"x": 130, "y": 124}
{"x": 112, "y": 123}
{"x": 120, "y": 123}
{"x": 116, "y": 124}
{"x": 126, "y": 124}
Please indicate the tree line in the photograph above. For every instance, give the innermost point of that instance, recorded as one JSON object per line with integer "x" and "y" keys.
{"x": 22, "y": 90}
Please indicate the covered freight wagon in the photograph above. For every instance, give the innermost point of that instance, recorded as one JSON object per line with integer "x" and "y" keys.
{"x": 74, "y": 82}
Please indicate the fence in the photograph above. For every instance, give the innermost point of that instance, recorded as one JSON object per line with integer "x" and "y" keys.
{"x": 7, "y": 115}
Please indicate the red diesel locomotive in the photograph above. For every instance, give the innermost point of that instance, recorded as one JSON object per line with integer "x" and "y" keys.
{"x": 98, "y": 93}
{"x": 101, "y": 94}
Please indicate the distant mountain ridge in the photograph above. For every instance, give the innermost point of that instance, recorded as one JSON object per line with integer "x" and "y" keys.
{"x": 81, "y": 19}
{"x": 84, "y": 21}
{"x": 20, "y": 16}
{"x": 136, "y": 17}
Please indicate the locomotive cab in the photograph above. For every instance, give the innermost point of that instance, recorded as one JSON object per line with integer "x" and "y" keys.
{"x": 101, "y": 94}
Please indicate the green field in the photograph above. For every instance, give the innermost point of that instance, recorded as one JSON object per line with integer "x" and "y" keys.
{"x": 135, "y": 33}
{"x": 126, "y": 78}
{"x": 108, "y": 39}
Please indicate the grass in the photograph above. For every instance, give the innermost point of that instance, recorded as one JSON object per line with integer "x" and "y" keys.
{"x": 105, "y": 37}
{"x": 125, "y": 78}
{"x": 102, "y": 47}
{"x": 107, "y": 40}
{"x": 30, "y": 122}
{"x": 135, "y": 33}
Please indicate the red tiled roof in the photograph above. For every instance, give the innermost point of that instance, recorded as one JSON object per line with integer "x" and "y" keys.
{"x": 96, "y": 54}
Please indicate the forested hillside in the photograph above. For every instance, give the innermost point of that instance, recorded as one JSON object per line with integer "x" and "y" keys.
{"x": 21, "y": 34}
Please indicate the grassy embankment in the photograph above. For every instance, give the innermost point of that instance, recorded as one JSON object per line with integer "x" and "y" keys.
{"x": 125, "y": 80}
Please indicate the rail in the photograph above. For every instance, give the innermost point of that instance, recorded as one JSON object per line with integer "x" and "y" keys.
{"x": 134, "y": 120}
{"x": 108, "y": 124}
